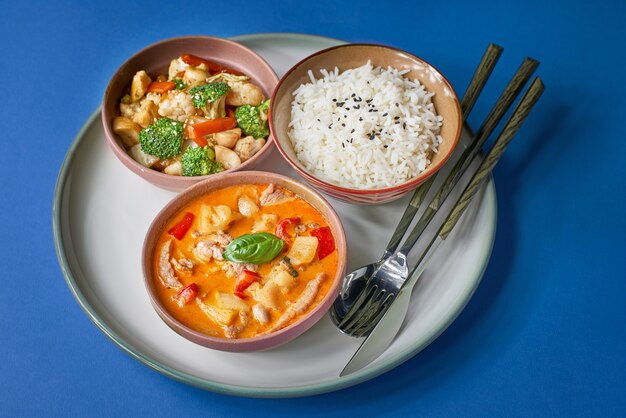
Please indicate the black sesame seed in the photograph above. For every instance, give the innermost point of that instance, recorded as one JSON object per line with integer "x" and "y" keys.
{"x": 319, "y": 120}
{"x": 372, "y": 136}
{"x": 343, "y": 124}
{"x": 360, "y": 119}
{"x": 353, "y": 95}
{"x": 397, "y": 104}
{"x": 330, "y": 126}
{"x": 357, "y": 106}
{"x": 352, "y": 131}
{"x": 385, "y": 114}
{"x": 385, "y": 146}
{"x": 345, "y": 116}
{"x": 404, "y": 125}
{"x": 340, "y": 104}
{"x": 343, "y": 145}
{"x": 334, "y": 100}
{"x": 396, "y": 118}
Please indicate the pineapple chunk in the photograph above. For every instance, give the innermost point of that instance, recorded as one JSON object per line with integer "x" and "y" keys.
{"x": 283, "y": 279}
{"x": 228, "y": 301}
{"x": 303, "y": 250}
{"x": 218, "y": 315}
{"x": 267, "y": 223}
{"x": 214, "y": 218}
{"x": 269, "y": 295}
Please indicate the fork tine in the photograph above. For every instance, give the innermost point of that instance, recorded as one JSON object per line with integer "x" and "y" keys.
{"x": 368, "y": 326}
{"x": 350, "y": 316}
{"x": 375, "y": 304}
{"x": 363, "y": 312}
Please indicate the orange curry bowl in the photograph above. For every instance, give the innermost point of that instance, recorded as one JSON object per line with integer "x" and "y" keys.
{"x": 246, "y": 261}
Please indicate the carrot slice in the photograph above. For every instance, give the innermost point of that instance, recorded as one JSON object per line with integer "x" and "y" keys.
{"x": 161, "y": 86}
{"x": 199, "y": 130}
{"x": 213, "y": 67}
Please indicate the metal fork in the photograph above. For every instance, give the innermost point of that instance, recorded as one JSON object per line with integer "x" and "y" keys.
{"x": 391, "y": 274}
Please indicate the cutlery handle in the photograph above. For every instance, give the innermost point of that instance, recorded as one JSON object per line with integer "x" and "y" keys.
{"x": 511, "y": 127}
{"x": 499, "y": 109}
{"x": 479, "y": 79}
{"x": 475, "y": 87}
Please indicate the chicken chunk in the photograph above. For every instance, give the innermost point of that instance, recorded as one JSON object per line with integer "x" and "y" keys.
{"x": 246, "y": 147}
{"x": 141, "y": 157}
{"x": 261, "y": 314}
{"x": 233, "y": 331}
{"x": 227, "y": 138}
{"x": 274, "y": 196}
{"x": 227, "y": 157}
{"x": 146, "y": 115}
{"x": 127, "y": 130}
{"x": 139, "y": 85}
{"x": 166, "y": 272}
{"x": 212, "y": 247}
{"x": 302, "y": 304}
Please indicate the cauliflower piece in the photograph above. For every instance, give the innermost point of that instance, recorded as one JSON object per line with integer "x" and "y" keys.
{"x": 243, "y": 93}
{"x": 177, "y": 104}
{"x": 246, "y": 147}
{"x": 128, "y": 110}
{"x": 176, "y": 66}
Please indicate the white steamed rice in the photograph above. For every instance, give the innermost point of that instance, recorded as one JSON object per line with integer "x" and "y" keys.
{"x": 366, "y": 128}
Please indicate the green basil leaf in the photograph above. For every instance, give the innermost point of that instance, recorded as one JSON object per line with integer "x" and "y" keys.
{"x": 257, "y": 248}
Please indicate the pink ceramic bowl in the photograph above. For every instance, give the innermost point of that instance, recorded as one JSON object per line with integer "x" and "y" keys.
{"x": 245, "y": 177}
{"x": 155, "y": 59}
{"x": 351, "y": 56}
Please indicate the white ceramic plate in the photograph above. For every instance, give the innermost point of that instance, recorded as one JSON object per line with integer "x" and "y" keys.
{"x": 100, "y": 215}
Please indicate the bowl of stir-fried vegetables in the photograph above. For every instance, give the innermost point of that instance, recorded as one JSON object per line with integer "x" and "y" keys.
{"x": 187, "y": 108}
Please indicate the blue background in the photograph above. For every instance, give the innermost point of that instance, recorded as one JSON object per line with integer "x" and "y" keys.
{"x": 543, "y": 335}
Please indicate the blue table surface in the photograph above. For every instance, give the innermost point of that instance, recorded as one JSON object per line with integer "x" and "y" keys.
{"x": 543, "y": 335}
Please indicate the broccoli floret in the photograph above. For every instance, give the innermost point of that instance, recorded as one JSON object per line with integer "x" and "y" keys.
{"x": 163, "y": 139}
{"x": 179, "y": 84}
{"x": 200, "y": 161}
{"x": 253, "y": 119}
{"x": 208, "y": 93}
{"x": 265, "y": 107}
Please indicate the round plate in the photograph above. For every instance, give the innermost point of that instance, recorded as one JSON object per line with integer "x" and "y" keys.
{"x": 101, "y": 212}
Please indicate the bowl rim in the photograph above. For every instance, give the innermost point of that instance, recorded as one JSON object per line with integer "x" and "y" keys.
{"x": 156, "y": 175}
{"x": 414, "y": 182}
{"x": 264, "y": 341}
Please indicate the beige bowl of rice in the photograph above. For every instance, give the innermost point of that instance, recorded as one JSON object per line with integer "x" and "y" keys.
{"x": 365, "y": 123}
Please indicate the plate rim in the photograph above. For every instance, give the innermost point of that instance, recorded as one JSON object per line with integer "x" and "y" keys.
{"x": 250, "y": 391}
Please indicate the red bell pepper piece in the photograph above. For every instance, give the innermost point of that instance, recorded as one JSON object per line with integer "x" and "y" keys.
{"x": 161, "y": 86}
{"x": 281, "y": 228}
{"x": 179, "y": 230}
{"x": 213, "y": 67}
{"x": 199, "y": 130}
{"x": 186, "y": 294}
{"x": 325, "y": 241}
{"x": 245, "y": 279}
